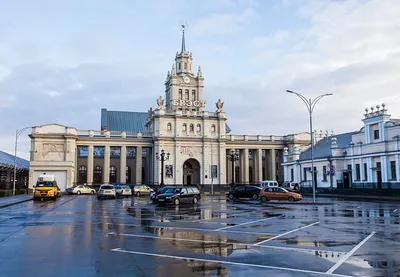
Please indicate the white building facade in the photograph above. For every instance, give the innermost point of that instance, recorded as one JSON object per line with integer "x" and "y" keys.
{"x": 124, "y": 150}
{"x": 368, "y": 158}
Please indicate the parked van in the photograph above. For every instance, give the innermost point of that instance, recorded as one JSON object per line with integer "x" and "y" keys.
{"x": 46, "y": 187}
{"x": 269, "y": 184}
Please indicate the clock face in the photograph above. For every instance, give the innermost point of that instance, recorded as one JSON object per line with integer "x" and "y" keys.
{"x": 186, "y": 80}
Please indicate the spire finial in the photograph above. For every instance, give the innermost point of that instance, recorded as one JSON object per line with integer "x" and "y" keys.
{"x": 183, "y": 38}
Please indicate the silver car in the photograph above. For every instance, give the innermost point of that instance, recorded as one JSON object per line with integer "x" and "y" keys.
{"x": 106, "y": 191}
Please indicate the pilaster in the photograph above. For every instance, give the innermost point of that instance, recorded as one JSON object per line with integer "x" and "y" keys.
{"x": 90, "y": 165}
{"x": 122, "y": 171}
{"x": 139, "y": 160}
{"x": 246, "y": 166}
{"x": 272, "y": 165}
{"x": 106, "y": 169}
{"x": 258, "y": 165}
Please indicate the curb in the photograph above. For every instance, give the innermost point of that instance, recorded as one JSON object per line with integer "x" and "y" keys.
{"x": 15, "y": 203}
{"x": 209, "y": 193}
{"x": 358, "y": 197}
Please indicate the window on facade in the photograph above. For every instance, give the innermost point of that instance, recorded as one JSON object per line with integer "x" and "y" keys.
{"x": 179, "y": 66}
{"x": 198, "y": 128}
{"x": 169, "y": 126}
{"x": 191, "y": 128}
{"x": 97, "y": 174}
{"x": 82, "y": 174}
{"x": 393, "y": 170}
{"x": 213, "y": 128}
{"x": 193, "y": 95}
{"x": 185, "y": 65}
{"x": 291, "y": 174}
{"x": 304, "y": 174}
{"x": 113, "y": 174}
{"x": 237, "y": 174}
{"x": 358, "y": 175}
{"x": 378, "y": 165}
{"x": 184, "y": 127}
{"x": 376, "y": 134}
{"x": 186, "y": 94}
{"x": 128, "y": 174}
{"x": 349, "y": 167}
{"x": 324, "y": 173}
{"x": 365, "y": 172}
{"x": 180, "y": 94}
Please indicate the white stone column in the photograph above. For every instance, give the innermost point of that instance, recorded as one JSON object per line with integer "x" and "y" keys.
{"x": 397, "y": 167}
{"x": 138, "y": 179}
{"x": 369, "y": 166}
{"x": 272, "y": 164}
{"x": 90, "y": 165}
{"x": 245, "y": 167}
{"x": 221, "y": 170}
{"x": 384, "y": 167}
{"x": 258, "y": 165}
{"x": 353, "y": 171}
{"x": 361, "y": 170}
{"x": 228, "y": 168}
{"x": 106, "y": 169}
{"x": 122, "y": 171}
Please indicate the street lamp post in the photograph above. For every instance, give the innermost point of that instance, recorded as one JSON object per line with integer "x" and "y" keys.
{"x": 310, "y": 103}
{"x": 17, "y": 134}
{"x": 162, "y": 157}
{"x": 233, "y": 156}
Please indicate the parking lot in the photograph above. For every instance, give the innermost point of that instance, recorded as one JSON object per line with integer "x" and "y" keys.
{"x": 216, "y": 237}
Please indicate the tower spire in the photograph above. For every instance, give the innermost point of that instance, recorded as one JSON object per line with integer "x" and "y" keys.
{"x": 183, "y": 38}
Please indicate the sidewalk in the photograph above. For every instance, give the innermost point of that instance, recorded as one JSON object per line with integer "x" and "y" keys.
{"x": 355, "y": 196}
{"x": 12, "y": 200}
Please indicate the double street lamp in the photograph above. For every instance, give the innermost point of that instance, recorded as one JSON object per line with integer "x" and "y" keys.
{"x": 17, "y": 134}
{"x": 310, "y": 103}
{"x": 233, "y": 156}
{"x": 162, "y": 157}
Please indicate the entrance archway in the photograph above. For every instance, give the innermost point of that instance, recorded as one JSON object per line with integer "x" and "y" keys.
{"x": 191, "y": 172}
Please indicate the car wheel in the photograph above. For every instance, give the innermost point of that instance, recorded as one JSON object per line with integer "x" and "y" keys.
{"x": 177, "y": 201}
{"x": 291, "y": 199}
{"x": 264, "y": 199}
{"x": 231, "y": 196}
{"x": 255, "y": 197}
{"x": 137, "y": 193}
{"x": 98, "y": 197}
{"x": 195, "y": 200}
{"x": 78, "y": 192}
{"x": 92, "y": 192}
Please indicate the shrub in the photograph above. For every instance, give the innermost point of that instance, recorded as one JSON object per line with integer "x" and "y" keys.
{"x": 2, "y": 193}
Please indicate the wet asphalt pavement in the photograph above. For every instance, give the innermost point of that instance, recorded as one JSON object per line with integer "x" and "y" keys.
{"x": 83, "y": 236}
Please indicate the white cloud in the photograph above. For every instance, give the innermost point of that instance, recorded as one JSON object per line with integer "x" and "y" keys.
{"x": 223, "y": 23}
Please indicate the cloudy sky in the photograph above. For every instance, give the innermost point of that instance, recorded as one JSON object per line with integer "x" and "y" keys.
{"x": 62, "y": 61}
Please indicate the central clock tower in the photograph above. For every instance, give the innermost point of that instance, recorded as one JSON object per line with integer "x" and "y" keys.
{"x": 183, "y": 89}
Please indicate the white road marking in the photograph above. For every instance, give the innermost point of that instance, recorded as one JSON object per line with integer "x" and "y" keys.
{"x": 281, "y": 235}
{"x": 190, "y": 228}
{"x": 395, "y": 211}
{"x": 349, "y": 254}
{"x": 232, "y": 243}
{"x": 226, "y": 262}
{"x": 245, "y": 223}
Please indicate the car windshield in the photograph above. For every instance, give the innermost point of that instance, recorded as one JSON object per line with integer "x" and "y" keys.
{"x": 118, "y": 187}
{"x": 107, "y": 187}
{"x": 45, "y": 184}
{"x": 172, "y": 190}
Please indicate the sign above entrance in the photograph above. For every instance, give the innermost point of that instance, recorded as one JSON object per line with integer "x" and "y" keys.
{"x": 191, "y": 150}
{"x": 188, "y": 103}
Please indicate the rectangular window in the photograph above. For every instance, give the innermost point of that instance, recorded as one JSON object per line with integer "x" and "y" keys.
{"x": 358, "y": 175}
{"x": 291, "y": 174}
{"x": 324, "y": 173}
{"x": 304, "y": 174}
{"x": 349, "y": 167}
{"x": 365, "y": 172}
{"x": 378, "y": 165}
{"x": 393, "y": 170}
{"x": 186, "y": 94}
{"x": 180, "y": 95}
{"x": 193, "y": 95}
{"x": 376, "y": 134}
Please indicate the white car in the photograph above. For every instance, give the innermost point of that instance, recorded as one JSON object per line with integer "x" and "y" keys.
{"x": 81, "y": 189}
{"x": 125, "y": 191}
{"x": 106, "y": 191}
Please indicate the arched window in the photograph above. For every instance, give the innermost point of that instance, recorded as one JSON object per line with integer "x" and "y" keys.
{"x": 184, "y": 127}
{"x": 213, "y": 128}
{"x": 191, "y": 128}
{"x": 97, "y": 174}
{"x": 128, "y": 174}
{"x": 198, "y": 128}
{"x": 82, "y": 174}
{"x": 113, "y": 174}
{"x": 169, "y": 127}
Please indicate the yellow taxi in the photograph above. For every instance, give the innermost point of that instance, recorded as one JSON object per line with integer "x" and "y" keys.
{"x": 46, "y": 188}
